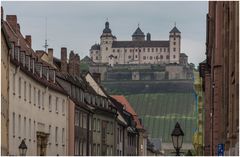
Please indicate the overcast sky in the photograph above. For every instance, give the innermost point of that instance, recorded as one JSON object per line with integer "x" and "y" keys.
{"x": 78, "y": 25}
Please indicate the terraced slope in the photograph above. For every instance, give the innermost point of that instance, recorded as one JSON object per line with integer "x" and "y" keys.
{"x": 160, "y": 111}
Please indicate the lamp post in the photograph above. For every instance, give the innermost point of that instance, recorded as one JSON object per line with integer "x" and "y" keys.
{"x": 22, "y": 148}
{"x": 177, "y": 138}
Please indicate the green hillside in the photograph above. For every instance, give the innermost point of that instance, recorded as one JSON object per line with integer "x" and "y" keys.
{"x": 160, "y": 111}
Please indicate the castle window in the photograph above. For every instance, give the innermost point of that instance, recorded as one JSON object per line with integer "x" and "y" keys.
{"x": 143, "y": 49}
{"x": 156, "y": 49}
{"x": 106, "y": 42}
{"x": 96, "y": 57}
{"x": 160, "y": 49}
{"x": 174, "y": 43}
{"x": 139, "y": 50}
{"x": 118, "y": 50}
{"x": 106, "y": 48}
{"x": 129, "y": 57}
{"x": 125, "y": 50}
{"x": 136, "y": 50}
{"x": 148, "y": 49}
{"x": 174, "y": 38}
{"x": 174, "y": 56}
{"x": 167, "y": 57}
{"x": 113, "y": 50}
{"x": 164, "y": 50}
{"x": 150, "y": 57}
{"x": 174, "y": 49}
{"x": 161, "y": 57}
{"x": 144, "y": 57}
{"x": 152, "y": 49}
{"x": 130, "y": 50}
{"x": 135, "y": 56}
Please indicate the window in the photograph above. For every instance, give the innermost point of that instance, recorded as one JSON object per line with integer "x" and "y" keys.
{"x": 164, "y": 49}
{"x": 129, "y": 57}
{"x": 29, "y": 129}
{"x": 174, "y": 38}
{"x": 152, "y": 49}
{"x": 50, "y": 134}
{"x": 144, "y": 57}
{"x": 84, "y": 120}
{"x": 25, "y": 90}
{"x": 34, "y": 130}
{"x": 148, "y": 49}
{"x": 113, "y": 50}
{"x": 63, "y": 135}
{"x": 76, "y": 118}
{"x": 174, "y": 49}
{"x": 135, "y": 56}
{"x": 106, "y": 48}
{"x": 39, "y": 98}
{"x": 30, "y": 93}
{"x": 63, "y": 107}
{"x": 96, "y": 57}
{"x": 118, "y": 50}
{"x": 98, "y": 150}
{"x": 160, "y": 49}
{"x": 43, "y": 100}
{"x": 56, "y": 105}
{"x": 174, "y": 43}
{"x": 98, "y": 125}
{"x": 143, "y": 49}
{"x": 80, "y": 120}
{"x": 94, "y": 149}
{"x": 13, "y": 124}
{"x": 76, "y": 150}
{"x": 156, "y": 49}
{"x": 13, "y": 84}
{"x": 174, "y": 56}
{"x": 34, "y": 96}
{"x": 56, "y": 135}
{"x": 125, "y": 50}
{"x": 150, "y": 57}
{"x": 167, "y": 56}
{"x": 19, "y": 126}
{"x": 50, "y": 103}
{"x": 94, "y": 124}
{"x": 161, "y": 57}
{"x": 25, "y": 127}
{"x": 19, "y": 87}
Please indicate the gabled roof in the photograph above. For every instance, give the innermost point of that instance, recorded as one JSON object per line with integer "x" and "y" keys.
{"x": 152, "y": 43}
{"x": 138, "y": 32}
{"x": 128, "y": 108}
{"x": 174, "y": 30}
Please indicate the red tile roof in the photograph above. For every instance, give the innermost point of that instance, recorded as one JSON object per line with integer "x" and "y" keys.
{"x": 128, "y": 107}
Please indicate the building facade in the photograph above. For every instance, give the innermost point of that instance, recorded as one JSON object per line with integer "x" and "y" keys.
{"x": 5, "y": 62}
{"x": 38, "y": 105}
{"x": 220, "y": 75}
{"x": 137, "y": 51}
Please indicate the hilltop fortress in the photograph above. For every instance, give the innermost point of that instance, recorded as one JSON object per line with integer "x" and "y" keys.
{"x": 140, "y": 58}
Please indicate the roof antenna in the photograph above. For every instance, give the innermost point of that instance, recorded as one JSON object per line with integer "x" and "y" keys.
{"x": 138, "y": 24}
{"x": 45, "y": 45}
{"x": 175, "y": 23}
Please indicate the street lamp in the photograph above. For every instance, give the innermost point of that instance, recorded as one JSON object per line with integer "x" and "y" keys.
{"x": 177, "y": 138}
{"x": 22, "y": 148}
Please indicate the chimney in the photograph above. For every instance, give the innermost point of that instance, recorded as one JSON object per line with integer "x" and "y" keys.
{"x": 148, "y": 37}
{"x": 50, "y": 55}
{"x": 71, "y": 65}
{"x": 18, "y": 27}
{"x": 97, "y": 77}
{"x": 77, "y": 65}
{"x": 12, "y": 20}
{"x": 28, "y": 39}
{"x": 64, "y": 59}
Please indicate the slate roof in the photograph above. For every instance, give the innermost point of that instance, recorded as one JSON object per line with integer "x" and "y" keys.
{"x": 95, "y": 47}
{"x": 138, "y": 32}
{"x": 183, "y": 55}
{"x": 128, "y": 108}
{"x": 174, "y": 30}
{"x": 152, "y": 43}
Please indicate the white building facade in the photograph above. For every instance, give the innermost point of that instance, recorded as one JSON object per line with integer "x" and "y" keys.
{"x": 137, "y": 51}
{"x": 38, "y": 107}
